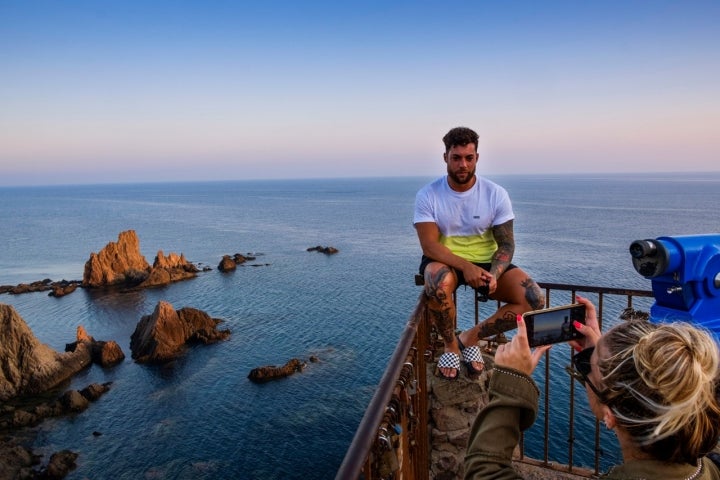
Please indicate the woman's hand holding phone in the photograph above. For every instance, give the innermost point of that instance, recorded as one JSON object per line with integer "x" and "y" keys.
{"x": 590, "y": 331}
{"x": 517, "y": 355}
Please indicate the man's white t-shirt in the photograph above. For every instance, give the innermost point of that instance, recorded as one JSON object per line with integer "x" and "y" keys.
{"x": 465, "y": 219}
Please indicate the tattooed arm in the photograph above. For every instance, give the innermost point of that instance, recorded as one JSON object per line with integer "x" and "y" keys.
{"x": 505, "y": 239}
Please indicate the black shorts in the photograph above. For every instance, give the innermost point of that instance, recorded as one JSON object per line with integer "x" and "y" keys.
{"x": 461, "y": 278}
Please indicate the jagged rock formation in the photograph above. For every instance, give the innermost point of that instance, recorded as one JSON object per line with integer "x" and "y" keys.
{"x": 122, "y": 264}
{"x": 271, "y": 372}
{"x": 105, "y": 354}
{"x": 29, "y": 367}
{"x": 326, "y": 250}
{"x": 172, "y": 268}
{"x": 118, "y": 263}
{"x": 162, "y": 336}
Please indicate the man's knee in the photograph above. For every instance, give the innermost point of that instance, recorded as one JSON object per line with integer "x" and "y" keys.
{"x": 534, "y": 295}
{"x": 440, "y": 276}
{"x": 521, "y": 289}
{"x": 440, "y": 283}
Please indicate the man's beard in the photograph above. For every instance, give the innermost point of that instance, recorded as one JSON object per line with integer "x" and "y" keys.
{"x": 468, "y": 178}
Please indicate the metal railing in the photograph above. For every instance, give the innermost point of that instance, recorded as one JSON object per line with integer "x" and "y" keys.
{"x": 392, "y": 440}
{"x": 393, "y": 432}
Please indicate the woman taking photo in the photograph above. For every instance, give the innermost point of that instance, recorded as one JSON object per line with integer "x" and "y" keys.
{"x": 654, "y": 385}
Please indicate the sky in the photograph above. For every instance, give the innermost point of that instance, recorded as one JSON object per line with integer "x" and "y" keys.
{"x": 144, "y": 91}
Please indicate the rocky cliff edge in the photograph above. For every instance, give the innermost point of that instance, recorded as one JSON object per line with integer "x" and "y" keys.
{"x": 29, "y": 367}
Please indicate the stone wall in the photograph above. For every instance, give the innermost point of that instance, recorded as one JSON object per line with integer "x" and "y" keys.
{"x": 453, "y": 405}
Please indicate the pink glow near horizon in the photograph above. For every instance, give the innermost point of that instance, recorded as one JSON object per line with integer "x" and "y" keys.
{"x": 138, "y": 92}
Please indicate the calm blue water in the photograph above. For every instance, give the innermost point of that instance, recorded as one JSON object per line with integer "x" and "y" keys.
{"x": 201, "y": 417}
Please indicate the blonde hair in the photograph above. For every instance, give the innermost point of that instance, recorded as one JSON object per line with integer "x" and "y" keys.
{"x": 662, "y": 387}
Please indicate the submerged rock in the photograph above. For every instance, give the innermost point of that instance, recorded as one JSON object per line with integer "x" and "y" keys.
{"x": 271, "y": 372}
{"x": 70, "y": 402}
{"x": 16, "y": 461}
{"x": 326, "y": 250}
{"x": 58, "y": 289}
{"x": 61, "y": 463}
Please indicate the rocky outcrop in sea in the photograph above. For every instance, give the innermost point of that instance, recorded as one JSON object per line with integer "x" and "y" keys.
{"x": 229, "y": 263}
{"x": 326, "y": 250}
{"x": 57, "y": 289}
{"x": 168, "y": 269}
{"x": 118, "y": 263}
{"x": 163, "y": 335}
{"x": 29, "y": 367}
{"x": 272, "y": 372}
{"x": 121, "y": 264}
{"x": 104, "y": 353}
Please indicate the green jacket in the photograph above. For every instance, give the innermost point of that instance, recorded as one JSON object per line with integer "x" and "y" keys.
{"x": 513, "y": 407}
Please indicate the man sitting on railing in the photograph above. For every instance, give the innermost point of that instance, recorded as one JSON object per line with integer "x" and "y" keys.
{"x": 465, "y": 226}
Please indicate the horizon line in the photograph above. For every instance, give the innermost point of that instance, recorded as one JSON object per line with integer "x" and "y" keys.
{"x": 359, "y": 177}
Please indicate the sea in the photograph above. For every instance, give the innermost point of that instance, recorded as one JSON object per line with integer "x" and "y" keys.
{"x": 200, "y": 417}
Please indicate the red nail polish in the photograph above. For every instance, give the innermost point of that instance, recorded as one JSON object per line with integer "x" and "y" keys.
{"x": 577, "y": 324}
{"x": 519, "y": 318}
{"x": 578, "y": 348}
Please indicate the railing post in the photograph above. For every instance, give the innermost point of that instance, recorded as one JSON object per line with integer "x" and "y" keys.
{"x": 422, "y": 446}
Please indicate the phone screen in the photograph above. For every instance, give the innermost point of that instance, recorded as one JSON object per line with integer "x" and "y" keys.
{"x": 553, "y": 325}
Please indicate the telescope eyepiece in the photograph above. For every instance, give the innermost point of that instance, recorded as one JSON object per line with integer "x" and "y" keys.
{"x": 643, "y": 248}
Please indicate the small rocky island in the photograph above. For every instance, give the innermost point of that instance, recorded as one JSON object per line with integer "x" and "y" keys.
{"x": 163, "y": 335}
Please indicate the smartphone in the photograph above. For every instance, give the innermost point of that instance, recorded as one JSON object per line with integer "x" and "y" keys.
{"x": 553, "y": 325}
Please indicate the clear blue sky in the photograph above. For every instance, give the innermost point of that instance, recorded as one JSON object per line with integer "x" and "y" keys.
{"x": 116, "y": 91}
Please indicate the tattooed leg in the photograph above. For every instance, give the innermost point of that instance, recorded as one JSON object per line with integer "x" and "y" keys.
{"x": 440, "y": 283}
{"x": 534, "y": 295}
{"x": 520, "y": 294}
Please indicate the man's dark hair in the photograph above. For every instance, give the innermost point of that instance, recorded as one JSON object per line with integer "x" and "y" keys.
{"x": 459, "y": 137}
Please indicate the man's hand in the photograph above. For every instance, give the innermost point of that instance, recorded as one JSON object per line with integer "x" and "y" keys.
{"x": 517, "y": 354}
{"x": 479, "y": 277}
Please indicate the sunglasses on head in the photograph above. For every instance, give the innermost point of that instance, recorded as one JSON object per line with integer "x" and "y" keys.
{"x": 580, "y": 370}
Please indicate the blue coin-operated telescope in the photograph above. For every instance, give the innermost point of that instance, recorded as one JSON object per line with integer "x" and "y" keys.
{"x": 685, "y": 274}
